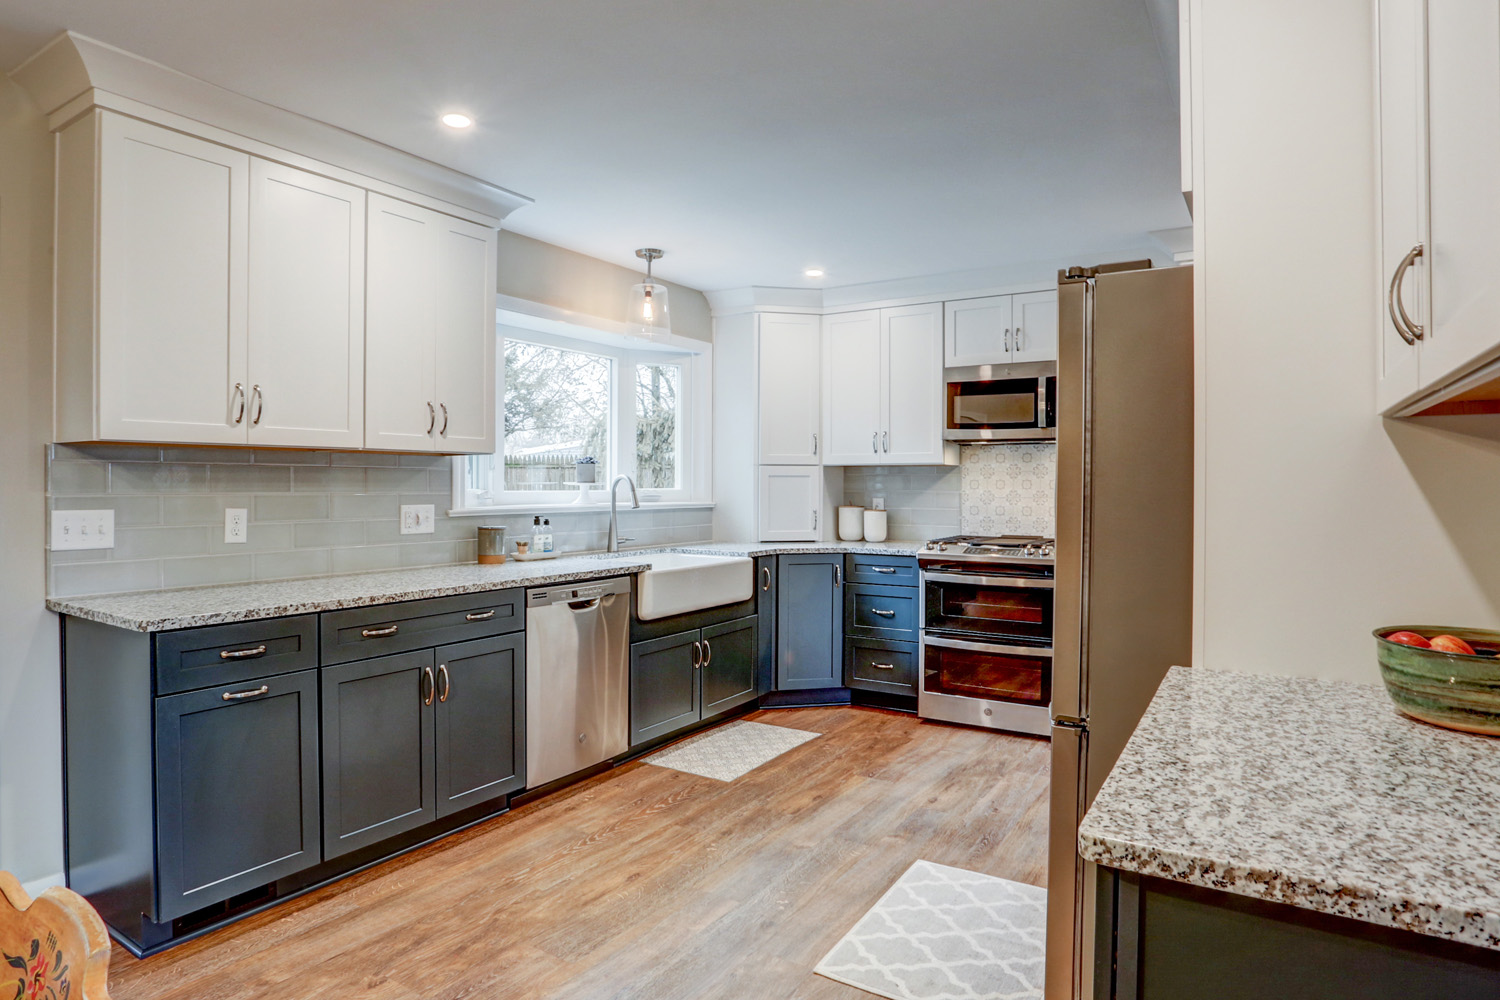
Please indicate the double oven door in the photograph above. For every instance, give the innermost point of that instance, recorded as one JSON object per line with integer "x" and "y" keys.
{"x": 987, "y": 646}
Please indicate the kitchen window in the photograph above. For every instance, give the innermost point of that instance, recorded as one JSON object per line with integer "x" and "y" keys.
{"x": 624, "y": 403}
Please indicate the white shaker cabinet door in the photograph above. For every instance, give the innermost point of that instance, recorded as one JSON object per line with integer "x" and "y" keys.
{"x": 912, "y": 385}
{"x": 1034, "y": 335}
{"x": 465, "y": 336}
{"x": 171, "y": 332}
{"x": 307, "y": 309}
{"x": 853, "y": 416}
{"x": 790, "y": 497}
{"x": 977, "y": 331}
{"x": 400, "y": 355}
{"x": 1463, "y": 134}
{"x": 789, "y": 389}
{"x": 1401, "y": 42}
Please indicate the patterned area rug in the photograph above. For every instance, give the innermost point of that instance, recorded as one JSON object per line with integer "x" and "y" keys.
{"x": 731, "y": 750}
{"x": 943, "y": 933}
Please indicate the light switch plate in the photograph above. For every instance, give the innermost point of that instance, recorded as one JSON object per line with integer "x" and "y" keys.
{"x": 83, "y": 529}
{"x": 236, "y": 525}
{"x": 417, "y": 518}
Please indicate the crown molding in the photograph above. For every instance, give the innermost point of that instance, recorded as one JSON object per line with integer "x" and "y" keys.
{"x": 73, "y": 74}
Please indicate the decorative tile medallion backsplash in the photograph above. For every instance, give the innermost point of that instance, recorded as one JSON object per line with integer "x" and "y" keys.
{"x": 1009, "y": 489}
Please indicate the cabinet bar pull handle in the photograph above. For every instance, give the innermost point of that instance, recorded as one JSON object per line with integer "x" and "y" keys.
{"x": 239, "y": 391}
{"x": 376, "y": 633}
{"x": 260, "y": 404}
{"x": 815, "y": 520}
{"x": 875, "y": 442}
{"x": 1007, "y": 340}
{"x": 428, "y": 687}
{"x": 888, "y": 570}
{"x": 237, "y": 695}
{"x": 883, "y": 666}
{"x": 708, "y": 652}
{"x": 815, "y": 444}
{"x": 443, "y": 676}
{"x": 444, "y": 431}
{"x": 431, "y": 417}
{"x": 1409, "y": 331}
{"x": 242, "y": 654}
{"x": 1019, "y": 334}
{"x": 697, "y": 654}
{"x": 883, "y": 614}
{"x": 765, "y": 575}
{"x": 479, "y": 616}
{"x": 837, "y": 576}
{"x": 885, "y": 440}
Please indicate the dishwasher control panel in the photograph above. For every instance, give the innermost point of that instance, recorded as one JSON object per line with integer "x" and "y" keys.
{"x": 583, "y": 592}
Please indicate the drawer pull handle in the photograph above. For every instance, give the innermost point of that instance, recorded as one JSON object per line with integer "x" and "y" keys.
{"x": 237, "y": 695}
{"x": 883, "y": 614}
{"x": 242, "y": 654}
{"x": 887, "y": 570}
{"x": 443, "y": 678}
{"x": 883, "y": 666}
{"x": 376, "y": 633}
{"x": 480, "y": 616}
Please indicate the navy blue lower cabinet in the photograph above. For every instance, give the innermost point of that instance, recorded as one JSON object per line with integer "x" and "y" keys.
{"x": 881, "y": 665}
{"x": 765, "y": 628}
{"x": 379, "y": 749}
{"x": 809, "y": 622}
{"x": 237, "y": 789}
{"x": 481, "y": 721}
{"x": 878, "y": 612}
{"x": 664, "y": 681}
{"x": 729, "y": 665}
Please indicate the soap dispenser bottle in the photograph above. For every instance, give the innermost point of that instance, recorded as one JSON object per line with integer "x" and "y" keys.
{"x": 547, "y": 535}
{"x": 537, "y": 538}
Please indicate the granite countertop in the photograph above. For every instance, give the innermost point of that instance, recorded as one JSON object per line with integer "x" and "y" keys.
{"x": 160, "y": 610}
{"x": 1308, "y": 792}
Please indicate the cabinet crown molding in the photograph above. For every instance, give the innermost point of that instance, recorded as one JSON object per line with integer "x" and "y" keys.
{"x": 74, "y": 73}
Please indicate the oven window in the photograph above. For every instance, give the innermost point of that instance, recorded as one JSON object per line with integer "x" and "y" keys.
{"x": 1024, "y": 612}
{"x": 991, "y": 676}
{"x": 996, "y": 404}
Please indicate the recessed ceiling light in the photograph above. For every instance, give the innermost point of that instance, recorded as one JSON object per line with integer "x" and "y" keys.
{"x": 813, "y": 272}
{"x": 455, "y": 120}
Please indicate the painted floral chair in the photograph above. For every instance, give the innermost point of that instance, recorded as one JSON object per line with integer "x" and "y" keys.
{"x": 54, "y": 947}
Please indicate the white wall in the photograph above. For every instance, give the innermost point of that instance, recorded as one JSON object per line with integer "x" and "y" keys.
{"x": 1318, "y": 520}
{"x": 30, "y": 741}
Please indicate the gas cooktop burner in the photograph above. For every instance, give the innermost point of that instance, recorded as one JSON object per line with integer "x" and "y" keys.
{"x": 992, "y": 547}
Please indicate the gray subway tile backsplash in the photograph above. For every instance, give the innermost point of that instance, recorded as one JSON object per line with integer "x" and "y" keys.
{"x": 311, "y": 513}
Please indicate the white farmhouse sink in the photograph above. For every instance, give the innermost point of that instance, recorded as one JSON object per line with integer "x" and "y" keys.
{"x": 678, "y": 583}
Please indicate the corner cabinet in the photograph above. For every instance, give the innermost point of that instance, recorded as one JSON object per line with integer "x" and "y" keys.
{"x": 883, "y": 387}
{"x": 206, "y": 295}
{"x": 1438, "y": 344}
{"x": 430, "y": 331}
{"x": 809, "y": 622}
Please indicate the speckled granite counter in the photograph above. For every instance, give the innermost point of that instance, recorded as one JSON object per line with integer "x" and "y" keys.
{"x": 159, "y": 610}
{"x": 1313, "y": 793}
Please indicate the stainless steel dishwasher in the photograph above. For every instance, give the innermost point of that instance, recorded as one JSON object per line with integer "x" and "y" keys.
{"x": 577, "y": 677}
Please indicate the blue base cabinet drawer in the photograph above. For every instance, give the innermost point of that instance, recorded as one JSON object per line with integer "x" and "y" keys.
{"x": 880, "y": 665}
{"x": 897, "y": 571}
{"x": 881, "y": 612}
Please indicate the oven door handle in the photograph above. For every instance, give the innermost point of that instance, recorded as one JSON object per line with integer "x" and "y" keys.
{"x": 985, "y": 647}
{"x": 991, "y": 581}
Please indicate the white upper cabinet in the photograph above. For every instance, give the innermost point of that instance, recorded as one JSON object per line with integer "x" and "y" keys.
{"x": 429, "y": 331}
{"x": 307, "y": 321}
{"x": 852, "y": 365}
{"x": 883, "y": 387}
{"x": 788, "y": 356}
{"x": 168, "y": 327}
{"x": 1001, "y": 329}
{"x": 790, "y": 497}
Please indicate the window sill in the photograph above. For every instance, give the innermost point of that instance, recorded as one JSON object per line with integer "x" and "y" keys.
{"x": 578, "y": 508}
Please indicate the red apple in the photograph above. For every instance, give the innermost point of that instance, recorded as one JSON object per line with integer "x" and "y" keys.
{"x": 1452, "y": 644}
{"x": 1408, "y": 639}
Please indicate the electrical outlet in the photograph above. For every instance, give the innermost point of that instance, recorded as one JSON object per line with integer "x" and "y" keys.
{"x": 83, "y": 529}
{"x": 877, "y": 503}
{"x": 417, "y": 518}
{"x": 236, "y": 525}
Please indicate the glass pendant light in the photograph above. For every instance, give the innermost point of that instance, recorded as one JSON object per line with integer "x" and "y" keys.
{"x": 647, "y": 315}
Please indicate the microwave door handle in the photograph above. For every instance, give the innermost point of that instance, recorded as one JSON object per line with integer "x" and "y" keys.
{"x": 1039, "y": 583}
{"x": 943, "y": 642}
{"x": 1041, "y": 402}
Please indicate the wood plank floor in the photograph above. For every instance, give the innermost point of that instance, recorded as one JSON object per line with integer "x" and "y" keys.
{"x": 647, "y": 882}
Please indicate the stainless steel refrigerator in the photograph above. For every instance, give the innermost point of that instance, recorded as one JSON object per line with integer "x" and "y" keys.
{"x": 1123, "y": 605}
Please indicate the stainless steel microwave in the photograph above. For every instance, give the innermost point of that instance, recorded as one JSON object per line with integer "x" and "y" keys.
{"x": 989, "y": 403}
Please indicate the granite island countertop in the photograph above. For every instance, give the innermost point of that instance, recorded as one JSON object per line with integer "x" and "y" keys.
{"x": 1314, "y": 793}
{"x": 192, "y": 607}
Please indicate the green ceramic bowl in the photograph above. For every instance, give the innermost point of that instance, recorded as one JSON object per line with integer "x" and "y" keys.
{"x": 1452, "y": 690}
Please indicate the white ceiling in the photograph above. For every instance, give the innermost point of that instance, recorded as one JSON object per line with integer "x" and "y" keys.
{"x": 748, "y": 138}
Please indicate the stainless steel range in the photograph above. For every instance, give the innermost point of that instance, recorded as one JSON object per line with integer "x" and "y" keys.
{"x": 986, "y": 654}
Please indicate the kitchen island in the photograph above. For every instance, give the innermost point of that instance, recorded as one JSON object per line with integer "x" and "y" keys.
{"x": 1289, "y": 837}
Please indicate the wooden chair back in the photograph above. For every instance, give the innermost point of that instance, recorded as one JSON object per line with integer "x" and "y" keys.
{"x": 54, "y": 947}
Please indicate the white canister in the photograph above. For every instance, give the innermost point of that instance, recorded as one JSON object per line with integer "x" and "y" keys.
{"x": 875, "y": 525}
{"x": 851, "y": 524}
